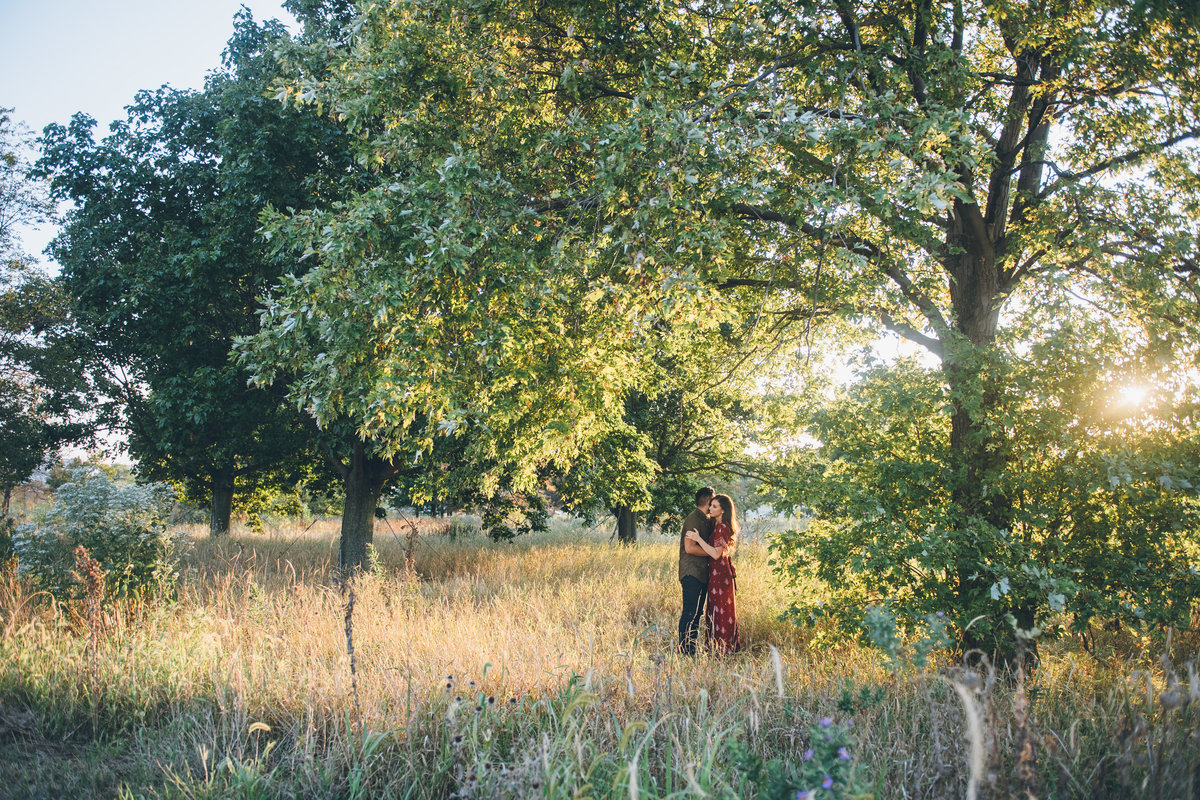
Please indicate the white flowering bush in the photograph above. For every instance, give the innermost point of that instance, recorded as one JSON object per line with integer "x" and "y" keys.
{"x": 123, "y": 526}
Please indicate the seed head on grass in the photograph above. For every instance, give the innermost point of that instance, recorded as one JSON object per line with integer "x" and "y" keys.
{"x": 91, "y": 576}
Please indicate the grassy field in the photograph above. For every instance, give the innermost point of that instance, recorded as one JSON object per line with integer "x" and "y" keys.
{"x": 542, "y": 668}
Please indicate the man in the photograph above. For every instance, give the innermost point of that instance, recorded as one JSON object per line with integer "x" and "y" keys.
{"x": 693, "y": 571}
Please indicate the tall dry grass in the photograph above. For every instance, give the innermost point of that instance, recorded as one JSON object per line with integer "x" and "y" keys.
{"x": 541, "y": 668}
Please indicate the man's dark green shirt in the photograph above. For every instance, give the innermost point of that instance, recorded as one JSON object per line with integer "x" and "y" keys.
{"x": 696, "y": 566}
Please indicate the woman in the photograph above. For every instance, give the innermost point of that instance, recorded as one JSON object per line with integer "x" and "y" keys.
{"x": 720, "y": 616}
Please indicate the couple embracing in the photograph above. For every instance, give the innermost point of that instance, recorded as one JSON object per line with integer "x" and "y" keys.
{"x": 706, "y": 574}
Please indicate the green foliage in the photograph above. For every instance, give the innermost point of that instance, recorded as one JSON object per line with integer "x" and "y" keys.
{"x": 867, "y": 696}
{"x": 122, "y": 526}
{"x": 448, "y": 479}
{"x": 164, "y": 263}
{"x": 61, "y": 472}
{"x": 40, "y": 385}
{"x": 507, "y": 516}
{"x": 23, "y": 199}
{"x": 436, "y": 306}
{"x": 564, "y": 203}
{"x": 316, "y": 496}
{"x": 1106, "y": 517}
{"x": 679, "y": 429}
{"x": 881, "y": 629}
{"x": 374, "y": 566}
{"x": 826, "y": 769}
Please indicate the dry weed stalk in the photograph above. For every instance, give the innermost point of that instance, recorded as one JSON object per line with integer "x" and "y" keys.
{"x": 348, "y": 588}
{"x": 967, "y": 683}
{"x": 91, "y": 576}
{"x": 1026, "y": 769}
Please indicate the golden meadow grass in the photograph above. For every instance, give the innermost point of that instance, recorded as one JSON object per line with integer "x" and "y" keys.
{"x": 539, "y": 668}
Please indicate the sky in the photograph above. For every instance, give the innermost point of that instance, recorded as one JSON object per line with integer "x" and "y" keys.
{"x": 58, "y": 57}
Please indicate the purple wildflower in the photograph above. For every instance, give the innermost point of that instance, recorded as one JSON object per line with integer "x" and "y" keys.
{"x": 843, "y": 754}
{"x": 827, "y": 782}
{"x": 826, "y": 722}
{"x": 804, "y": 794}
{"x": 808, "y": 754}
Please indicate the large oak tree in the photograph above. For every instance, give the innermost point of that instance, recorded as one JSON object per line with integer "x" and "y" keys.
{"x": 559, "y": 173}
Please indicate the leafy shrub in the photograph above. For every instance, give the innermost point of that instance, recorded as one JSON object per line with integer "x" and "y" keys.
{"x": 122, "y": 526}
{"x": 827, "y": 769}
{"x": 882, "y": 629}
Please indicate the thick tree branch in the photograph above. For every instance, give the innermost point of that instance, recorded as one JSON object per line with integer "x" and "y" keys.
{"x": 1007, "y": 149}
{"x": 906, "y": 331}
{"x": 855, "y": 245}
{"x": 1011, "y": 278}
{"x": 922, "y": 301}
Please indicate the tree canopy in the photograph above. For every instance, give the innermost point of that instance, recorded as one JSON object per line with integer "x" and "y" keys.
{"x": 164, "y": 263}
{"x": 556, "y": 185}
{"x": 42, "y": 395}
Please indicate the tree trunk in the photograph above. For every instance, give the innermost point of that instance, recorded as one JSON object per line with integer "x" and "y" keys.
{"x": 222, "y": 502}
{"x": 365, "y": 477}
{"x": 978, "y": 451}
{"x": 8, "y": 490}
{"x": 626, "y": 524}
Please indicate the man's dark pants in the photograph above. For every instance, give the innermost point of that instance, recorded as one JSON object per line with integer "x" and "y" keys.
{"x": 694, "y": 593}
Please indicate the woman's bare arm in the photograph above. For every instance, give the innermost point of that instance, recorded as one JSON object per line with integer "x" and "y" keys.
{"x": 698, "y": 541}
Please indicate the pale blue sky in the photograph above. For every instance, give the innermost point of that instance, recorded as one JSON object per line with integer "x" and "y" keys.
{"x": 62, "y": 56}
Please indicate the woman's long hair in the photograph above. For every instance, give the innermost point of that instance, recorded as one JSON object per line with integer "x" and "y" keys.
{"x": 730, "y": 515}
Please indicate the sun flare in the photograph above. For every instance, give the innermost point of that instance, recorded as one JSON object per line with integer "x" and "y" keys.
{"x": 1133, "y": 395}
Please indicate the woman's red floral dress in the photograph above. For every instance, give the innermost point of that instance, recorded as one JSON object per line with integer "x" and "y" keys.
{"x": 721, "y": 615}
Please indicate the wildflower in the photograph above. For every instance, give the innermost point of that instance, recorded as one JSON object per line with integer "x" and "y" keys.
{"x": 843, "y": 754}
{"x": 478, "y": 709}
{"x": 826, "y": 722}
{"x": 808, "y": 754}
{"x": 512, "y": 701}
{"x": 827, "y": 782}
{"x": 941, "y": 614}
{"x": 491, "y": 700}
{"x": 804, "y": 794}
